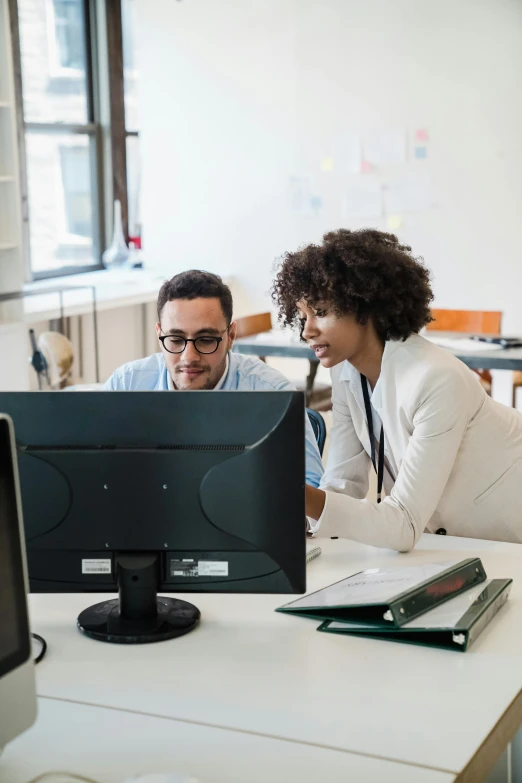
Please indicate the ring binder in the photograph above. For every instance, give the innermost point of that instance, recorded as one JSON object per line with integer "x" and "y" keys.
{"x": 389, "y": 596}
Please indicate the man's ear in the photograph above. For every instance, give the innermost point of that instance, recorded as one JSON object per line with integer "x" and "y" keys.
{"x": 158, "y": 330}
{"x": 232, "y": 329}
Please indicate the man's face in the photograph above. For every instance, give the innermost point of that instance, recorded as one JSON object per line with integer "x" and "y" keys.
{"x": 192, "y": 318}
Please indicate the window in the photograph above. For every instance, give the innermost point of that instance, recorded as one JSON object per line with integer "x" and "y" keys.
{"x": 61, "y": 137}
{"x": 130, "y": 56}
{"x": 67, "y": 187}
{"x": 69, "y": 34}
{"x": 130, "y": 75}
{"x": 76, "y": 184}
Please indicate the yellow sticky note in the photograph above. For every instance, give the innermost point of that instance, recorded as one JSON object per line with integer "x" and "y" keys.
{"x": 327, "y": 164}
{"x": 394, "y": 222}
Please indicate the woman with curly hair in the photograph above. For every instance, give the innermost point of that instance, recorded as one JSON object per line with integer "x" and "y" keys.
{"x": 448, "y": 457}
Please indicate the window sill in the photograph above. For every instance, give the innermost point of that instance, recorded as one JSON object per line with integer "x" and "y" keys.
{"x": 114, "y": 288}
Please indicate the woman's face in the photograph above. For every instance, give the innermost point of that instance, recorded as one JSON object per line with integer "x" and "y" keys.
{"x": 334, "y": 338}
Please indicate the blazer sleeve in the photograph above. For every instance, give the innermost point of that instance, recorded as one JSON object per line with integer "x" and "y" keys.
{"x": 440, "y": 417}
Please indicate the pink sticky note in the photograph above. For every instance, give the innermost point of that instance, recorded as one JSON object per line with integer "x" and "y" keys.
{"x": 421, "y": 134}
{"x": 366, "y": 166}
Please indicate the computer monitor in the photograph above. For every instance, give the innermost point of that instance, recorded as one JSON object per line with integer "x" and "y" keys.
{"x": 145, "y": 491}
{"x": 17, "y": 688}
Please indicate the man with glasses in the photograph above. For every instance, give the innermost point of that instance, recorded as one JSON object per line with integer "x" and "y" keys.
{"x": 196, "y": 332}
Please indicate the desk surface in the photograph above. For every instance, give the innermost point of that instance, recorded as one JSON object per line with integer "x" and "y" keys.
{"x": 249, "y": 668}
{"x": 112, "y": 745}
{"x": 279, "y": 343}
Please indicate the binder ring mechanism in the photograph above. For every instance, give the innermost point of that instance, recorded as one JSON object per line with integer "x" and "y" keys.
{"x": 458, "y": 638}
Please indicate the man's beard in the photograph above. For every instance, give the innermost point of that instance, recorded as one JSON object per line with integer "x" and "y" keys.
{"x": 212, "y": 380}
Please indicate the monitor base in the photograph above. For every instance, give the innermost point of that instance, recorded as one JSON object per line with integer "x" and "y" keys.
{"x": 105, "y": 623}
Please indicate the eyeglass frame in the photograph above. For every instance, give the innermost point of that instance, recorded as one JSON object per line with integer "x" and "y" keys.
{"x": 219, "y": 340}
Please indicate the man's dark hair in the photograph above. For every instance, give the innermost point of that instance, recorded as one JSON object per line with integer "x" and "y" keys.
{"x": 365, "y": 273}
{"x": 196, "y": 284}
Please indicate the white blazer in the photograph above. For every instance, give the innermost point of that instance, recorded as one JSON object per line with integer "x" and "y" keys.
{"x": 453, "y": 455}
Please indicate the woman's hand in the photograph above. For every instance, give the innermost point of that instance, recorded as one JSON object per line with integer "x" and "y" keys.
{"x": 314, "y": 502}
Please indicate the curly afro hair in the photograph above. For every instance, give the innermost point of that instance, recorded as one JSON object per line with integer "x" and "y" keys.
{"x": 365, "y": 273}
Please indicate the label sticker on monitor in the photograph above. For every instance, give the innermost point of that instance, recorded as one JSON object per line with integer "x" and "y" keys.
{"x": 193, "y": 568}
{"x": 183, "y": 568}
{"x": 96, "y": 566}
{"x": 212, "y": 568}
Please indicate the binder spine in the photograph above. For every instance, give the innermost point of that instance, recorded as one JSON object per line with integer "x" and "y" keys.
{"x": 486, "y": 617}
{"x": 467, "y": 574}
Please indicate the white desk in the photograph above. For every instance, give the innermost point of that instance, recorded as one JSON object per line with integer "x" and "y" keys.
{"x": 249, "y": 668}
{"x": 111, "y": 745}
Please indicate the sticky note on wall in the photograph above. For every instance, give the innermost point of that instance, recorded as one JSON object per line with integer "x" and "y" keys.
{"x": 394, "y": 222}
{"x": 421, "y": 134}
{"x": 327, "y": 164}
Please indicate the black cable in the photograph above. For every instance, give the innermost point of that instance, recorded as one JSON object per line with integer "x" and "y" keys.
{"x": 44, "y": 647}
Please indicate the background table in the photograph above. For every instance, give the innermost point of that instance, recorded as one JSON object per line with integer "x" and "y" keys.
{"x": 287, "y": 345}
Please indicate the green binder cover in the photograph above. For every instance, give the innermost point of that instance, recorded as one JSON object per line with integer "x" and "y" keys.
{"x": 454, "y": 625}
{"x": 389, "y": 596}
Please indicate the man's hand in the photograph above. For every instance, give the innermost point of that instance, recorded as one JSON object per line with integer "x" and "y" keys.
{"x": 314, "y": 502}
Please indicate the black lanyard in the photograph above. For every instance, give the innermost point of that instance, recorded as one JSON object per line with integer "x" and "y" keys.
{"x": 379, "y": 468}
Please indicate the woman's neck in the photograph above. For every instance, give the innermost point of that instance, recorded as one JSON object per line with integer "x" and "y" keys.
{"x": 368, "y": 360}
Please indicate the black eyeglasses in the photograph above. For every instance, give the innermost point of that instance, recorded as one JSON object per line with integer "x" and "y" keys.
{"x": 173, "y": 343}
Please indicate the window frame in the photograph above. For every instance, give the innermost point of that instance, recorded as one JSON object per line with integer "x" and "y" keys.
{"x": 105, "y": 128}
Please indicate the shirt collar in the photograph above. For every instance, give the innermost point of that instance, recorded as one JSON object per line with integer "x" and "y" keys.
{"x": 217, "y": 387}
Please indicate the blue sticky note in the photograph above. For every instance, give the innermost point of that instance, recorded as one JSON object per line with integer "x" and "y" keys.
{"x": 316, "y": 202}
{"x": 421, "y": 153}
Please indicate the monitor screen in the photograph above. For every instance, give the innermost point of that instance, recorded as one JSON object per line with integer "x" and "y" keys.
{"x": 182, "y": 491}
{"x": 14, "y": 627}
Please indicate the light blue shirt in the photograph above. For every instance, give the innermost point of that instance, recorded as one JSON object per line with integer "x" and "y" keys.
{"x": 244, "y": 373}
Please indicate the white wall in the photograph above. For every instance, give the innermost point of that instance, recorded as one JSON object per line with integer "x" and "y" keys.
{"x": 238, "y": 95}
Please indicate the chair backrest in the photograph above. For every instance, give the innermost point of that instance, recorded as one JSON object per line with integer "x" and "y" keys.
{"x": 319, "y": 428}
{"x": 472, "y": 321}
{"x": 253, "y": 324}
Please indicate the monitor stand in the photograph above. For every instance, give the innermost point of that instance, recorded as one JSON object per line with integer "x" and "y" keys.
{"x": 139, "y": 615}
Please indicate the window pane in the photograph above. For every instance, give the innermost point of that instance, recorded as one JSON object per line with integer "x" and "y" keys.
{"x": 133, "y": 185}
{"x": 52, "y": 41}
{"x": 130, "y": 71}
{"x": 61, "y": 222}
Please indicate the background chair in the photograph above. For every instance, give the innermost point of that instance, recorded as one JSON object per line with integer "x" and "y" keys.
{"x": 473, "y": 322}
{"x": 254, "y": 324}
{"x": 318, "y": 395}
{"x": 52, "y": 359}
{"x": 319, "y": 428}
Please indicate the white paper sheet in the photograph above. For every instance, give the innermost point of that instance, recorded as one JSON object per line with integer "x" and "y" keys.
{"x": 363, "y": 199}
{"x": 348, "y": 153}
{"x": 411, "y": 194}
{"x": 300, "y": 195}
{"x": 463, "y": 344}
{"x": 385, "y": 148}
